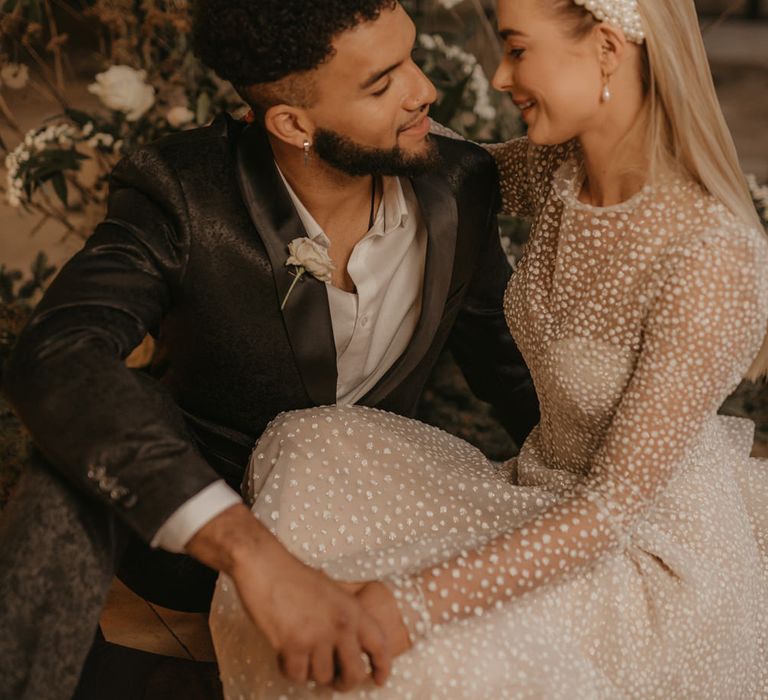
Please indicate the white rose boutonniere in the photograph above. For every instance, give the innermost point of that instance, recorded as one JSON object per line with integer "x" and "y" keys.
{"x": 309, "y": 256}
{"x": 124, "y": 89}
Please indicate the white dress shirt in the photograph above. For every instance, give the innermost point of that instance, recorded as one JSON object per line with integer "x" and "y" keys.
{"x": 371, "y": 328}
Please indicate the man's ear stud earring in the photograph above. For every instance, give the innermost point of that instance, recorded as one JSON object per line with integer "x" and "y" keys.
{"x": 307, "y": 146}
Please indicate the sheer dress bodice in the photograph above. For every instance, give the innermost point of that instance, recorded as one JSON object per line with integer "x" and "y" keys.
{"x": 600, "y": 287}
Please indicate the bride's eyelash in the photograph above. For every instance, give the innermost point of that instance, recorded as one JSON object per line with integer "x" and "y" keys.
{"x": 515, "y": 53}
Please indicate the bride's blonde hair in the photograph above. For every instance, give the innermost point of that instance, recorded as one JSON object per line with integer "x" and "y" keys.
{"x": 685, "y": 127}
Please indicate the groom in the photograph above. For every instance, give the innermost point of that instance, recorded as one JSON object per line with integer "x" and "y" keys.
{"x": 139, "y": 472}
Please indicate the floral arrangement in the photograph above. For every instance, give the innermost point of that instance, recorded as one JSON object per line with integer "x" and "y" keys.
{"x": 760, "y": 198}
{"x": 151, "y": 85}
{"x": 464, "y": 93}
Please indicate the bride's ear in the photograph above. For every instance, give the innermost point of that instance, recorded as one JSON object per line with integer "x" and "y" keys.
{"x": 611, "y": 44}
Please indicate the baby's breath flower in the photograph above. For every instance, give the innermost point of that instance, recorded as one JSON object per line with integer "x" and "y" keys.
{"x": 101, "y": 140}
{"x": 476, "y": 102}
{"x": 58, "y": 135}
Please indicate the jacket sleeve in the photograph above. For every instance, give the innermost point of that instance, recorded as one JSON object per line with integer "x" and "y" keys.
{"x": 113, "y": 432}
{"x": 482, "y": 344}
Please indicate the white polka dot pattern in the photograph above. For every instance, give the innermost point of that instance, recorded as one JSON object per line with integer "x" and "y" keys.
{"x": 623, "y": 553}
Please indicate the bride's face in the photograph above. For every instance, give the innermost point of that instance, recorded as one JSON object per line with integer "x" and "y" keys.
{"x": 555, "y": 79}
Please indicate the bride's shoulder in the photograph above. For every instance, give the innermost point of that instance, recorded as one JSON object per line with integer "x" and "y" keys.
{"x": 521, "y": 156}
{"x": 459, "y": 157}
{"x": 522, "y": 146}
{"x": 515, "y": 153}
{"x": 712, "y": 236}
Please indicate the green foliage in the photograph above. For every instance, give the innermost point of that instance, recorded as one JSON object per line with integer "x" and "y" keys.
{"x": 15, "y": 289}
{"x": 32, "y": 10}
{"x": 50, "y": 165}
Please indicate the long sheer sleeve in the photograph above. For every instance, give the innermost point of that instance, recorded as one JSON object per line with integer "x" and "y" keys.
{"x": 702, "y": 330}
{"x": 513, "y": 160}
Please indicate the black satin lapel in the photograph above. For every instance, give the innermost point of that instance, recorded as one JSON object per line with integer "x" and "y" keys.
{"x": 440, "y": 215}
{"x": 306, "y": 315}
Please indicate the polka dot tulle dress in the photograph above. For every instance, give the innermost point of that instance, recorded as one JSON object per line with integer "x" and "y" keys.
{"x": 623, "y": 553}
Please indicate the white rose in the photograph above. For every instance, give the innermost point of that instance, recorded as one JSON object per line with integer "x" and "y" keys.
{"x": 179, "y": 116}
{"x": 14, "y": 75}
{"x": 123, "y": 89}
{"x": 312, "y": 256}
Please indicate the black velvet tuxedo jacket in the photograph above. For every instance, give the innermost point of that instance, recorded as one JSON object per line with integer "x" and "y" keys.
{"x": 193, "y": 250}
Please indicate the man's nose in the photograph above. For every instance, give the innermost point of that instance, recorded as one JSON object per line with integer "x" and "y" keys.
{"x": 422, "y": 92}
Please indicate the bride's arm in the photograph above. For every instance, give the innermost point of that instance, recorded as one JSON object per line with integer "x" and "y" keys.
{"x": 702, "y": 331}
{"x": 524, "y": 170}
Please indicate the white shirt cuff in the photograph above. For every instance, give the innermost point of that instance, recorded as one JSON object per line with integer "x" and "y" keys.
{"x": 188, "y": 518}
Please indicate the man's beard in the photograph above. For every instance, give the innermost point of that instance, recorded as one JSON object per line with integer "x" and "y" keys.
{"x": 355, "y": 159}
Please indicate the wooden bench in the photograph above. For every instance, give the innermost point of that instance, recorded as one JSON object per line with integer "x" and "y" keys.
{"x": 147, "y": 652}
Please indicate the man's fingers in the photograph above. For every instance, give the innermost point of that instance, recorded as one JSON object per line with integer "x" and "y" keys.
{"x": 322, "y": 668}
{"x": 374, "y": 645}
{"x": 351, "y": 669}
{"x": 294, "y": 666}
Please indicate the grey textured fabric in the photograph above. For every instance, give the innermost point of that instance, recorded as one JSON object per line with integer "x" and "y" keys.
{"x": 57, "y": 554}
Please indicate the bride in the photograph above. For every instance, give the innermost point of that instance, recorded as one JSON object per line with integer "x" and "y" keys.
{"x": 623, "y": 553}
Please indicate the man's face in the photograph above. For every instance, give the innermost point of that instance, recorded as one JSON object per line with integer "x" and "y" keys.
{"x": 371, "y": 111}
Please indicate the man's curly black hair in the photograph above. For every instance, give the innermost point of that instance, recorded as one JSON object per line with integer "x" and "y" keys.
{"x": 250, "y": 42}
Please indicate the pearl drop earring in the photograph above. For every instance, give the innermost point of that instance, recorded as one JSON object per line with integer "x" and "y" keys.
{"x": 605, "y": 95}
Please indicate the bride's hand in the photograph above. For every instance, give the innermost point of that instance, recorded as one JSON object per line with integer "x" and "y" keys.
{"x": 377, "y": 600}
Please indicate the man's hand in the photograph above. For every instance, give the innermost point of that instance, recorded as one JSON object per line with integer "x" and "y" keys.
{"x": 320, "y": 631}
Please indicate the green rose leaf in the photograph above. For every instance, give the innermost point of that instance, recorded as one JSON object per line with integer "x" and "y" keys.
{"x": 60, "y": 187}
{"x": 80, "y": 118}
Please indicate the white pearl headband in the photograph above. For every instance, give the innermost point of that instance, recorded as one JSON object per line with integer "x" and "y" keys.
{"x": 621, "y": 13}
